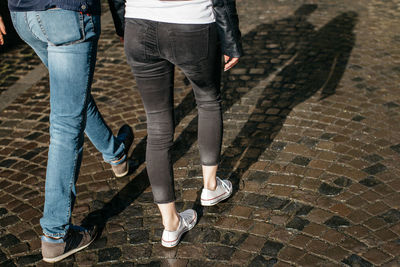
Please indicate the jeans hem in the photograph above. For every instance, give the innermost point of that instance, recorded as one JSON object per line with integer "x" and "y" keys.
{"x": 54, "y": 235}
{"x": 118, "y": 161}
{"x": 164, "y": 202}
{"x": 210, "y": 164}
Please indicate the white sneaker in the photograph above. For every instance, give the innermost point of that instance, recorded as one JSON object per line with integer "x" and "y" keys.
{"x": 223, "y": 191}
{"x": 187, "y": 220}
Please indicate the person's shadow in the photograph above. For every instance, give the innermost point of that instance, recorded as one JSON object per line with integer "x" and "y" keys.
{"x": 294, "y": 60}
{"x": 308, "y": 61}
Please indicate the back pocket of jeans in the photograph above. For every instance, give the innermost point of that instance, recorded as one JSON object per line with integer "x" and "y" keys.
{"x": 135, "y": 40}
{"x": 61, "y": 27}
{"x": 190, "y": 46}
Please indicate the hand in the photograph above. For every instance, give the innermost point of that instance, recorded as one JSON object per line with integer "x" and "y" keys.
{"x": 230, "y": 62}
{"x": 2, "y": 31}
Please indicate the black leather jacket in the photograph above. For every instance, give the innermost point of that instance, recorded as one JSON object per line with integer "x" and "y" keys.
{"x": 226, "y": 18}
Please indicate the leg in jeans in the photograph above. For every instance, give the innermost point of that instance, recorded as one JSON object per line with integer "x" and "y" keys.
{"x": 154, "y": 76}
{"x": 203, "y": 69}
{"x": 66, "y": 41}
{"x": 194, "y": 49}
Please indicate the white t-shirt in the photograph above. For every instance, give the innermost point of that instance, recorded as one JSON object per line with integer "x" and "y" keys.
{"x": 184, "y": 12}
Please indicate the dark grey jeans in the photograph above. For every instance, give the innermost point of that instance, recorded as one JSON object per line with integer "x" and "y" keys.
{"x": 152, "y": 50}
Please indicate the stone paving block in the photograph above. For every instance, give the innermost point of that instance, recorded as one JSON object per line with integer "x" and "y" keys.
{"x": 376, "y": 256}
{"x": 253, "y": 244}
{"x": 310, "y": 260}
{"x": 290, "y": 254}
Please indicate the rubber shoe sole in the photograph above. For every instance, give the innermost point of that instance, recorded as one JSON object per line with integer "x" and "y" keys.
{"x": 173, "y": 243}
{"x": 69, "y": 253}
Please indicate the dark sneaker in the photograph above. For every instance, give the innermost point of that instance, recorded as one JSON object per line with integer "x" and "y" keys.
{"x": 76, "y": 239}
{"x": 125, "y": 134}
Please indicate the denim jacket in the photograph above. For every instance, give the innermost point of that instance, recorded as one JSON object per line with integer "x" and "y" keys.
{"x": 85, "y": 6}
{"x": 226, "y": 18}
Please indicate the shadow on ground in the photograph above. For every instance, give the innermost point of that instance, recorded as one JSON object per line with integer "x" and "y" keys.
{"x": 294, "y": 61}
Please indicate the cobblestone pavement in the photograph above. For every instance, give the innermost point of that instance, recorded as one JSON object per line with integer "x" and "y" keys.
{"x": 311, "y": 144}
{"x": 15, "y": 63}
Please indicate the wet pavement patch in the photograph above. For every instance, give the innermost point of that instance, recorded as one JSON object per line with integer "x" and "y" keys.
{"x": 29, "y": 259}
{"x": 271, "y": 248}
{"x": 138, "y": 236}
{"x": 9, "y": 241}
{"x": 261, "y": 261}
{"x": 309, "y": 142}
{"x": 358, "y": 118}
{"x": 329, "y": 190}
{"x": 374, "y": 169}
{"x": 391, "y": 105}
{"x": 373, "y": 158}
{"x": 370, "y": 181}
{"x": 297, "y": 223}
{"x": 278, "y": 146}
{"x": 302, "y": 161}
{"x": 33, "y": 136}
{"x": 258, "y": 176}
{"x": 342, "y": 182}
{"x": 335, "y": 222}
{"x": 109, "y": 254}
{"x": 220, "y": 252}
{"x": 392, "y": 216}
{"x": 327, "y": 136}
{"x": 9, "y": 220}
{"x": 211, "y": 235}
{"x": 355, "y": 260}
{"x": 7, "y": 163}
{"x": 3, "y": 211}
{"x": 396, "y": 148}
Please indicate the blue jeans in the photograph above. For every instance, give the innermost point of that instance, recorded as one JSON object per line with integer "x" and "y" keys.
{"x": 66, "y": 42}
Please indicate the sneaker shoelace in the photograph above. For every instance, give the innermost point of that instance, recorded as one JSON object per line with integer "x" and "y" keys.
{"x": 224, "y": 185}
{"x": 186, "y": 220}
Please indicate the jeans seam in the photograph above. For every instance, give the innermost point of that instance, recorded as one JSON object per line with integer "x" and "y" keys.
{"x": 81, "y": 30}
{"x": 92, "y": 23}
{"x": 40, "y": 25}
{"x": 83, "y": 119}
{"x": 25, "y": 16}
{"x": 157, "y": 40}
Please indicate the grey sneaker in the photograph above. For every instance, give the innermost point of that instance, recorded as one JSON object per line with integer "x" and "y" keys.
{"x": 125, "y": 134}
{"x": 76, "y": 239}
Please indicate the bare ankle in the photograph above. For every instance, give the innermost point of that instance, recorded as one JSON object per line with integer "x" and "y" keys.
{"x": 172, "y": 224}
{"x": 209, "y": 177}
{"x": 170, "y": 217}
{"x": 211, "y": 187}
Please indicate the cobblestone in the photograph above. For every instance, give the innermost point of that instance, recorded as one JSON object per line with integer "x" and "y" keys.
{"x": 311, "y": 145}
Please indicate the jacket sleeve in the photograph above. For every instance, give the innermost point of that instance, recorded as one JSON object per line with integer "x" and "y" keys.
{"x": 228, "y": 27}
{"x": 117, "y": 8}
